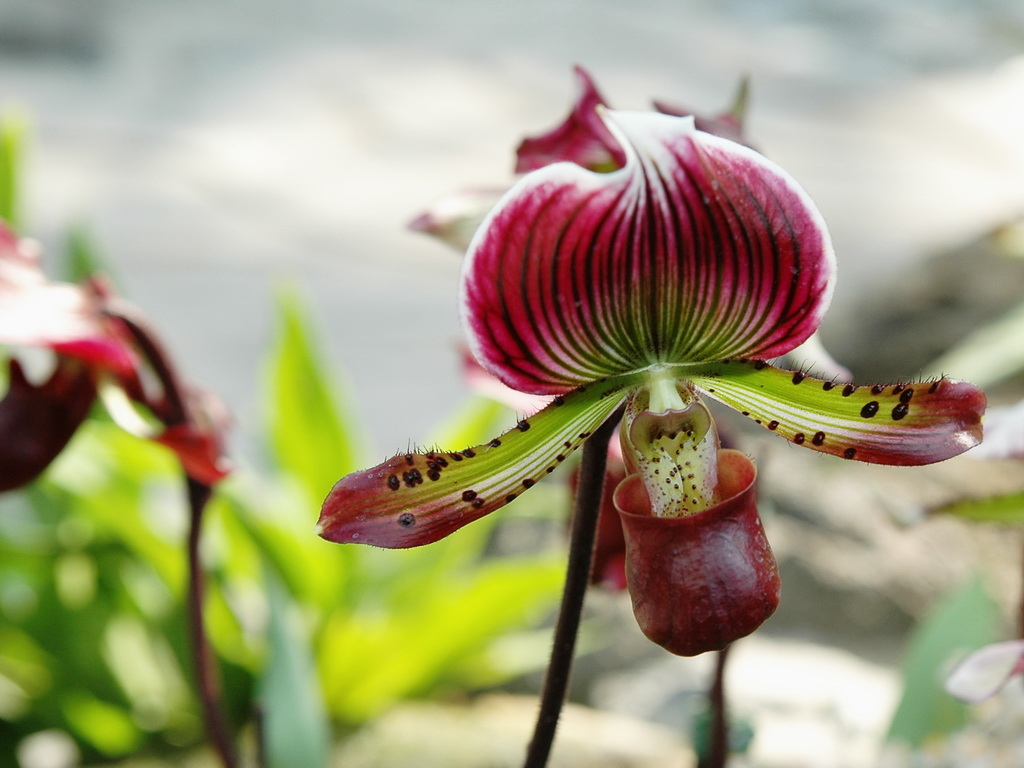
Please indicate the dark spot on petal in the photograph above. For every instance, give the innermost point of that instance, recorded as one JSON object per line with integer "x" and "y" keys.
{"x": 827, "y": 385}
{"x": 900, "y": 411}
{"x": 906, "y": 395}
{"x": 394, "y": 483}
{"x": 469, "y": 453}
{"x": 798, "y": 377}
{"x": 523, "y": 425}
{"x": 559, "y": 400}
{"x": 441, "y": 462}
{"x": 468, "y": 495}
{"x": 409, "y": 459}
{"x": 799, "y": 438}
{"x": 456, "y": 456}
{"x": 584, "y": 435}
{"x": 477, "y": 503}
{"x": 849, "y": 453}
{"x": 433, "y": 474}
{"x": 758, "y": 365}
{"x": 745, "y": 413}
{"x": 877, "y": 389}
{"x": 510, "y": 498}
{"x": 934, "y": 387}
{"x": 819, "y": 438}
{"x": 407, "y": 520}
{"x": 897, "y": 388}
{"x": 549, "y": 470}
{"x": 560, "y": 457}
{"x": 527, "y": 483}
{"x": 412, "y": 478}
{"x": 773, "y": 424}
{"x": 848, "y": 390}
{"x": 869, "y": 410}
{"x": 494, "y": 443}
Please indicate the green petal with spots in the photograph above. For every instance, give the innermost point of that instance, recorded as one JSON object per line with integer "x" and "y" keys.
{"x": 900, "y": 424}
{"x": 418, "y": 498}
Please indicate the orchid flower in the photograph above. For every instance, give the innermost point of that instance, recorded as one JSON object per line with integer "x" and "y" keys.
{"x": 103, "y": 348}
{"x": 667, "y": 282}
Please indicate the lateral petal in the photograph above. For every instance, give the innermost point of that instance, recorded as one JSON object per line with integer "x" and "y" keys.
{"x": 901, "y": 424}
{"x": 697, "y": 249}
{"x": 418, "y": 498}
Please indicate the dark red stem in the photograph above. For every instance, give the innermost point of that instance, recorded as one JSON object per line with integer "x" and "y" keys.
{"x": 207, "y": 677}
{"x": 172, "y": 410}
{"x": 586, "y": 509}
{"x": 718, "y": 741}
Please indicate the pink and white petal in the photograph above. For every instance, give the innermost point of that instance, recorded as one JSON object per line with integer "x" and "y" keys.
{"x": 454, "y": 218}
{"x": 68, "y": 318}
{"x": 983, "y": 673}
{"x": 698, "y": 249}
{"x": 582, "y": 138}
{"x": 418, "y": 498}
{"x": 900, "y": 424}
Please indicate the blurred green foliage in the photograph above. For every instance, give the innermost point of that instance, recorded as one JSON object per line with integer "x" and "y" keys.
{"x": 92, "y": 582}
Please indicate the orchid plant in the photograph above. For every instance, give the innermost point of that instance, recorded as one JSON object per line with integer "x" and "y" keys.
{"x": 669, "y": 272}
{"x": 657, "y": 286}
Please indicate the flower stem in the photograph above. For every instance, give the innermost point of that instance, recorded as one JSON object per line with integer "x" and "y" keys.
{"x": 586, "y": 509}
{"x": 207, "y": 679}
{"x": 172, "y": 409}
{"x": 718, "y": 743}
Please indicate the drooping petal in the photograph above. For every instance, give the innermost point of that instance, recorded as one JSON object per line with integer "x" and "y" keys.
{"x": 454, "y": 218}
{"x": 902, "y": 424}
{"x": 981, "y": 674}
{"x": 701, "y": 581}
{"x": 698, "y": 249}
{"x": 418, "y": 498}
{"x": 36, "y": 422}
{"x": 582, "y": 138}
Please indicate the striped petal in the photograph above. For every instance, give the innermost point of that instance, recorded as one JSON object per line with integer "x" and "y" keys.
{"x": 698, "y": 249}
{"x": 418, "y": 498}
{"x": 900, "y": 424}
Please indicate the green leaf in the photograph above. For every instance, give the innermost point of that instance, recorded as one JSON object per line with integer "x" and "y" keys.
{"x": 965, "y": 620}
{"x": 310, "y": 438}
{"x": 1007, "y": 509}
{"x": 295, "y": 729}
{"x": 13, "y": 128}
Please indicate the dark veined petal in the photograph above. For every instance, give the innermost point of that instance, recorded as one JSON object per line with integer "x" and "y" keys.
{"x": 698, "y": 249}
{"x": 418, "y": 498}
{"x": 582, "y": 138}
{"x": 902, "y": 424}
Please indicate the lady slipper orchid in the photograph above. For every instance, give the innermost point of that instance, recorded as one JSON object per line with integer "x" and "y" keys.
{"x": 668, "y": 281}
